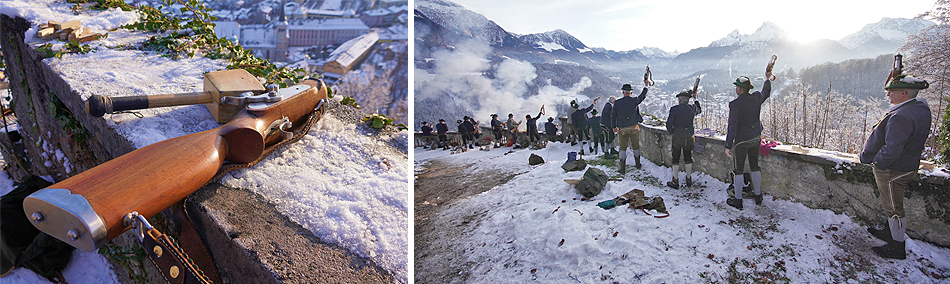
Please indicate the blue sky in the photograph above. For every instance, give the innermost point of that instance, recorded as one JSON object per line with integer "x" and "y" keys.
{"x": 686, "y": 24}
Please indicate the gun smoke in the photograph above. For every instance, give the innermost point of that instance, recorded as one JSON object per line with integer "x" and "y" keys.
{"x": 469, "y": 77}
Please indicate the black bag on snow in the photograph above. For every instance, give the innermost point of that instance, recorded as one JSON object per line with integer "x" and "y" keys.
{"x": 535, "y": 160}
{"x": 21, "y": 244}
{"x": 592, "y": 183}
{"x": 575, "y": 165}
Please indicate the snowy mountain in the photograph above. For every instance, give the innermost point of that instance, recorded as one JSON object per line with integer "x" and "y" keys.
{"x": 456, "y": 22}
{"x": 750, "y": 52}
{"x": 768, "y": 32}
{"x": 555, "y": 40}
{"x": 884, "y": 36}
{"x": 656, "y": 52}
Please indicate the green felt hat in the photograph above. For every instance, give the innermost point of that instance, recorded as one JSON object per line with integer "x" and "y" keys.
{"x": 904, "y": 81}
{"x": 744, "y": 82}
{"x": 550, "y": 119}
{"x": 627, "y": 87}
{"x": 494, "y": 115}
{"x": 574, "y": 104}
{"x": 594, "y": 112}
{"x": 686, "y": 93}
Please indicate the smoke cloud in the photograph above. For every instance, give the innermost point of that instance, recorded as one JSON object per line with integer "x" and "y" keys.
{"x": 462, "y": 75}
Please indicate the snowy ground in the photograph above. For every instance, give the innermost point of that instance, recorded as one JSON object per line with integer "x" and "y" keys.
{"x": 537, "y": 228}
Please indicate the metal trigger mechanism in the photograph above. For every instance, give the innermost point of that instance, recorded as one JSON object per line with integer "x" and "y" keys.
{"x": 138, "y": 223}
{"x": 249, "y": 97}
{"x": 281, "y": 125}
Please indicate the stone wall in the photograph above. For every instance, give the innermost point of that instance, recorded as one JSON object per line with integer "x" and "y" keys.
{"x": 804, "y": 176}
{"x": 51, "y": 115}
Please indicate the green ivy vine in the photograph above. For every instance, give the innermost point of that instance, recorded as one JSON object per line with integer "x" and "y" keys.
{"x": 380, "y": 121}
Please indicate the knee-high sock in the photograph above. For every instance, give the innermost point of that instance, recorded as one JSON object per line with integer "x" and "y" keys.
{"x": 898, "y": 226}
{"x": 738, "y": 183}
{"x": 757, "y": 182}
{"x": 689, "y": 170}
{"x": 676, "y": 172}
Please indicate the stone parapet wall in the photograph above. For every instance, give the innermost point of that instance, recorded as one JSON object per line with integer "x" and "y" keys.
{"x": 810, "y": 177}
{"x": 51, "y": 115}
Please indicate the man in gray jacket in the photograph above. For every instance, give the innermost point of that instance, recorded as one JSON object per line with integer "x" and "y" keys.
{"x": 894, "y": 148}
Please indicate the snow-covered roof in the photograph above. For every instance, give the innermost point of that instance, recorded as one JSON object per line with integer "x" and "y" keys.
{"x": 331, "y": 5}
{"x": 350, "y": 50}
{"x": 395, "y": 32}
{"x": 397, "y": 9}
{"x": 328, "y": 13}
{"x": 258, "y": 36}
{"x": 227, "y": 29}
{"x": 328, "y": 24}
{"x": 377, "y": 12}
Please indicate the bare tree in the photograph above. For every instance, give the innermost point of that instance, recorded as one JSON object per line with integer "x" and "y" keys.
{"x": 929, "y": 54}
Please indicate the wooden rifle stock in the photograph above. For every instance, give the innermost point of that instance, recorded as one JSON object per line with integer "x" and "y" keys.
{"x": 897, "y": 70}
{"x": 648, "y": 77}
{"x": 696, "y": 87}
{"x": 770, "y": 66}
{"x": 87, "y": 210}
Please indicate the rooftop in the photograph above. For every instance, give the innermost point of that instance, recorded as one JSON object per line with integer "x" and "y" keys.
{"x": 350, "y": 50}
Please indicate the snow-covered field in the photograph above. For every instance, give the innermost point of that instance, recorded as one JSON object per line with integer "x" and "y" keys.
{"x": 537, "y": 228}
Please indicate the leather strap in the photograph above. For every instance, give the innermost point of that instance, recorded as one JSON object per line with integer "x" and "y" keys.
{"x": 171, "y": 260}
{"x": 192, "y": 242}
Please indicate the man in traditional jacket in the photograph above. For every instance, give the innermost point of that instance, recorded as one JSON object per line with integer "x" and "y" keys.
{"x": 463, "y": 132}
{"x": 532, "y": 127}
{"x": 470, "y": 125}
{"x": 550, "y": 129}
{"x": 512, "y": 127}
{"x": 680, "y": 125}
{"x": 497, "y": 128}
{"x": 441, "y": 129}
{"x": 625, "y": 119}
{"x": 744, "y": 136}
{"x": 609, "y": 151}
{"x": 894, "y": 149}
{"x": 597, "y": 133}
{"x": 579, "y": 119}
{"x": 426, "y": 134}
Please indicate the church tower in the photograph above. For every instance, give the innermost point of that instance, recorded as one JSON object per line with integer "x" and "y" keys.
{"x": 283, "y": 36}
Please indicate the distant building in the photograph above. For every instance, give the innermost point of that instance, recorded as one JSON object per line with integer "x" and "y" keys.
{"x": 350, "y": 53}
{"x": 393, "y": 33}
{"x": 324, "y": 31}
{"x": 383, "y": 17}
{"x": 385, "y": 4}
{"x": 230, "y": 30}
